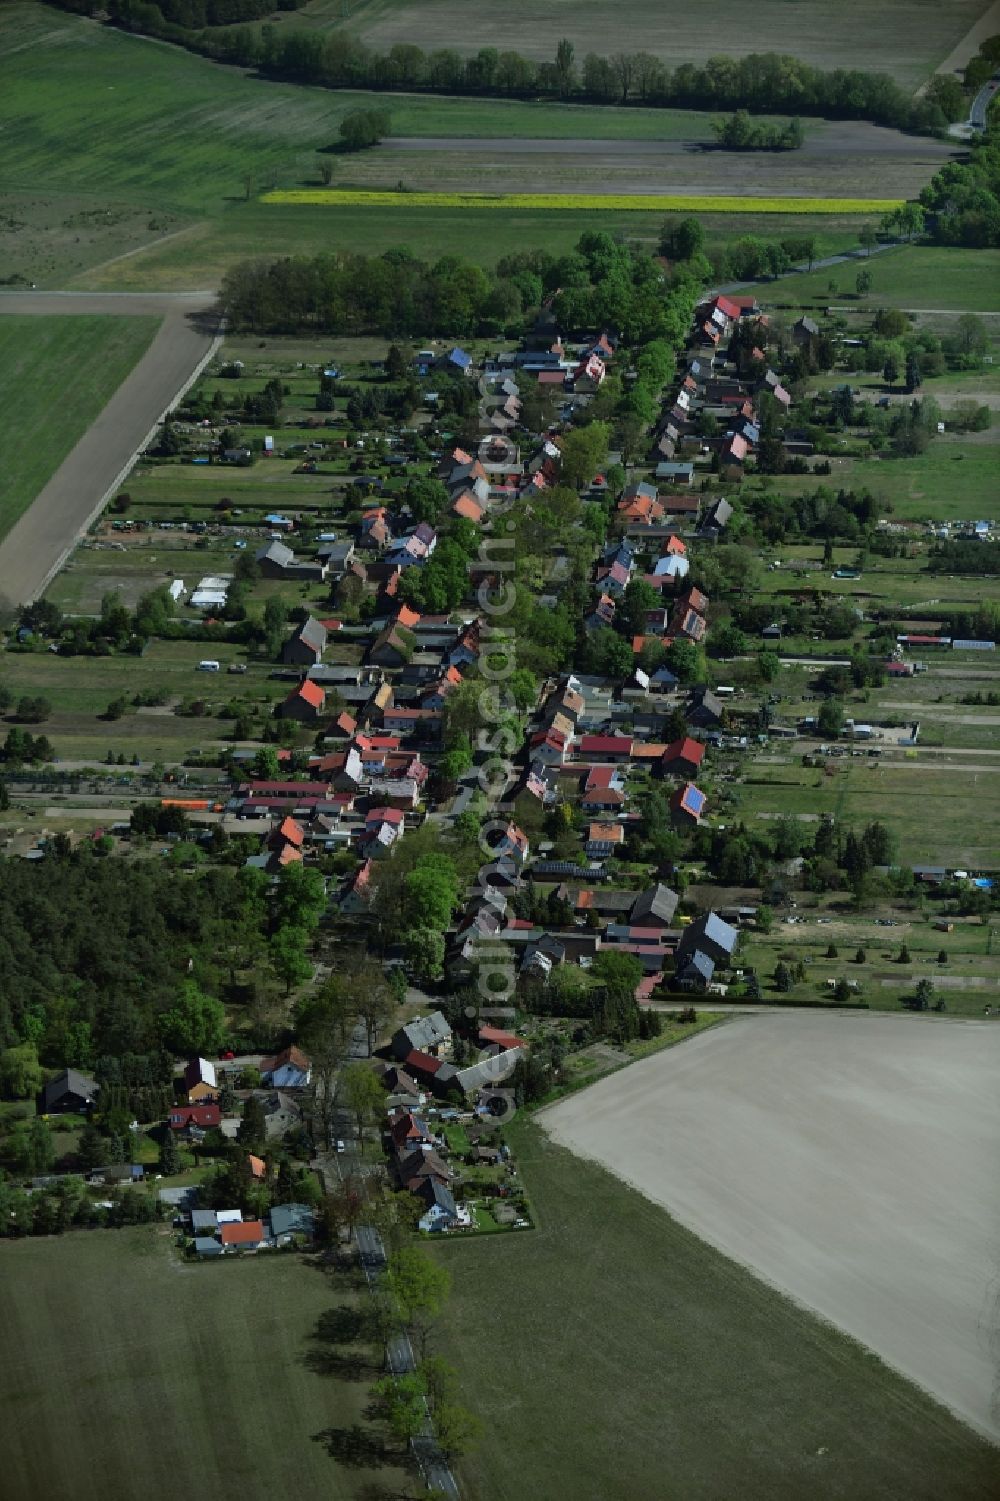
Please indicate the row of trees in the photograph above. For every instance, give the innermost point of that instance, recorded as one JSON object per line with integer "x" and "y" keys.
{"x": 766, "y": 83}
{"x": 600, "y": 284}
{"x": 66, "y": 1205}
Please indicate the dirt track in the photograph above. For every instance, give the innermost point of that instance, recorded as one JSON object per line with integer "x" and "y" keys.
{"x": 848, "y": 1160}
{"x": 37, "y": 544}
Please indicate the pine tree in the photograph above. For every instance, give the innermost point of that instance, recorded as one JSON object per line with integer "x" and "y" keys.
{"x": 253, "y": 1127}
{"x": 170, "y": 1157}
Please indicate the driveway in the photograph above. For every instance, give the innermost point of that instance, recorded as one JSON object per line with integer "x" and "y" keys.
{"x": 36, "y": 547}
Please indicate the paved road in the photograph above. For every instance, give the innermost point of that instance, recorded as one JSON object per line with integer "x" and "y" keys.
{"x": 982, "y": 102}
{"x": 37, "y": 545}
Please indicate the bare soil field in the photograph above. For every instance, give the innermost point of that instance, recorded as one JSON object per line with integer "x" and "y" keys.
{"x": 849, "y": 1160}
{"x": 836, "y": 161}
{"x": 905, "y": 38}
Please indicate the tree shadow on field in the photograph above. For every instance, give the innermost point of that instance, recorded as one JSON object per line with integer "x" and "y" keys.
{"x": 355, "y": 1448}
{"x": 339, "y": 1345}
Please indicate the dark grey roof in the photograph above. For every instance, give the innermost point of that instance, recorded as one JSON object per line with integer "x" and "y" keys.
{"x": 435, "y": 1192}
{"x": 427, "y": 1032}
{"x": 490, "y": 1071}
{"x": 708, "y": 932}
{"x": 313, "y": 634}
{"x": 70, "y": 1081}
{"x": 658, "y": 901}
{"x": 719, "y": 514}
{"x": 277, "y": 553}
{"x": 292, "y": 1219}
{"x": 700, "y": 963}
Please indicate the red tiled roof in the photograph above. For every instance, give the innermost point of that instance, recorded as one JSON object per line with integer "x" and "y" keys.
{"x": 494, "y": 1035}
{"x": 291, "y": 1054}
{"x": 205, "y": 1116}
{"x": 312, "y": 693}
{"x": 424, "y": 1063}
{"x": 248, "y": 1233}
{"x": 688, "y": 749}
{"x": 596, "y": 745}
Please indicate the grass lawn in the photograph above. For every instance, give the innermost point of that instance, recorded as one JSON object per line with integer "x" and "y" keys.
{"x": 896, "y": 581}
{"x": 624, "y": 1357}
{"x": 913, "y": 276}
{"x": 56, "y": 375}
{"x": 136, "y": 1374}
{"x": 966, "y": 981}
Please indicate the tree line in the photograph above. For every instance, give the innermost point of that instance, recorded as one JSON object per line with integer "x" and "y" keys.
{"x": 600, "y": 284}
{"x": 761, "y": 82}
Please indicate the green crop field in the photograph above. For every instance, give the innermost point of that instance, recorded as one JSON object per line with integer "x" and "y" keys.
{"x": 112, "y": 142}
{"x": 905, "y": 38}
{"x": 131, "y": 1374}
{"x": 619, "y": 1356}
{"x": 56, "y": 375}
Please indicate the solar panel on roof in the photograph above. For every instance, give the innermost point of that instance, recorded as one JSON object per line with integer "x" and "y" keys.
{"x": 695, "y": 800}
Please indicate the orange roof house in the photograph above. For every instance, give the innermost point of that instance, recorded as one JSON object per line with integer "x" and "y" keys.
{"x": 304, "y": 703}
{"x": 247, "y": 1235}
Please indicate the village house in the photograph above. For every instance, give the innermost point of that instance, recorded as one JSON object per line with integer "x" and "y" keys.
{"x": 199, "y": 1082}
{"x": 304, "y": 704}
{"x": 654, "y": 908}
{"x": 604, "y": 840}
{"x": 682, "y": 757}
{"x": 430, "y": 1035}
{"x": 687, "y": 806}
{"x": 289, "y": 1069}
{"x": 70, "y": 1092}
{"x": 305, "y": 647}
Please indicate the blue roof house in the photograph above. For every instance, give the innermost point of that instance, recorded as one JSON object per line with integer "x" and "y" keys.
{"x": 459, "y": 360}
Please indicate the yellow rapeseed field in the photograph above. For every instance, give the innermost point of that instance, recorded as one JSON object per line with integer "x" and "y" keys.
{"x": 589, "y": 202}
